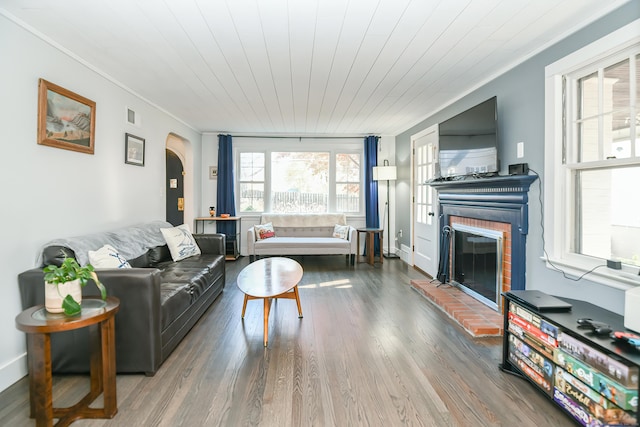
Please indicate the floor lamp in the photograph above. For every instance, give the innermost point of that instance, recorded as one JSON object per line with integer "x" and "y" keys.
{"x": 386, "y": 173}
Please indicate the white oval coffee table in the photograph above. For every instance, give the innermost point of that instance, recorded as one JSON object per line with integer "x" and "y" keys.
{"x": 268, "y": 279}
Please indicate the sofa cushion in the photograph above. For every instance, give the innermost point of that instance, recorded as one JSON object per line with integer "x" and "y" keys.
{"x": 341, "y": 231}
{"x": 264, "y": 231}
{"x": 320, "y": 243}
{"x": 198, "y": 271}
{"x": 181, "y": 242}
{"x": 55, "y": 255}
{"x": 107, "y": 257}
{"x": 158, "y": 255}
{"x": 140, "y": 262}
{"x": 175, "y": 300}
{"x": 304, "y": 220}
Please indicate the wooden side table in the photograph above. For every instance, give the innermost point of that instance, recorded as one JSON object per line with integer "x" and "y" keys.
{"x": 99, "y": 317}
{"x": 370, "y": 234}
{"x": 235, "y": 253}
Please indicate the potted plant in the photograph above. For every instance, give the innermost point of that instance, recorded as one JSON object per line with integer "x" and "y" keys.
{"x": 63, "y": 286}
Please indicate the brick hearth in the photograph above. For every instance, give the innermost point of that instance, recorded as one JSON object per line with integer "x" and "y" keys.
{"x": 476, "y": 318}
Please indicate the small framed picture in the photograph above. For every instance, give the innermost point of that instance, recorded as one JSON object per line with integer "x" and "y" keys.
{"x": 213, "y": 172}
{"x": 133, "y": 150}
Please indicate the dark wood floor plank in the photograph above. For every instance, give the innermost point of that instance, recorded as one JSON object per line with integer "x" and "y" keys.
{"x": 369, "y": 351}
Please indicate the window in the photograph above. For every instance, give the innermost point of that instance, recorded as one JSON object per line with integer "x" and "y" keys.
{"x": 251, "y": 182}
{"x": 348, "y": 182}
{"x": 299, "y": 182}
{"x": 592, "y": 152}
{"x": 283, "y": 178}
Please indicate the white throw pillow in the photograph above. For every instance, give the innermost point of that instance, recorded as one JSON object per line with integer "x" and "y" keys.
{"x": 341, "y": 231}
{"x": 180, "y": 241}
{"x": 264, "y": 231}
{"x": 107, "y": 257}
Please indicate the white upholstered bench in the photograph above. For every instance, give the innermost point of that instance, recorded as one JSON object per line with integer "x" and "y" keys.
{"x": 302, "y": 234}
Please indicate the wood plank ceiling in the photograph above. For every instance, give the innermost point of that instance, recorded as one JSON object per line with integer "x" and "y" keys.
{"x": 303, "y": 67}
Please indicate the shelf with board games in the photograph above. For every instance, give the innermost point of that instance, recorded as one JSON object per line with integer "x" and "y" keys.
{"x": 589, "y": 375}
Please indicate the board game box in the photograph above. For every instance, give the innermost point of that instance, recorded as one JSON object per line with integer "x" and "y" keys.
{"x": 621, "y": 396}
{"x": 614, "y": 369}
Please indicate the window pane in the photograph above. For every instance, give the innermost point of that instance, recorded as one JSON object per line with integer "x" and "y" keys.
{"x": 348, "y": 182}
{"x": 347, "y": 168}
{"x": 299, "y": 182}
{"x": 637, "y": 108}
{"x": 617, "y": 109}
{"x": 251, "y": 197}
{"x": 588, "y": 95}
{"x": 347, "y": 197}
{"x": 588, "y": 140}
{"x": 252, "y": 167}
{"x": 637, "y": 83}
{"x": 608, "y": 205}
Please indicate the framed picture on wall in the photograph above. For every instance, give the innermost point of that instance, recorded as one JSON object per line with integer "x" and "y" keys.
{"x": 65, "y": 119}
{"x": 133, "y": 150}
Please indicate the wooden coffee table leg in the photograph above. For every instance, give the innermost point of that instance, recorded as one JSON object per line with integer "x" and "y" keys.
{"x": 244, "y": 305}
{"x": 267, "y": 306}
{"x": 295, "y": 291}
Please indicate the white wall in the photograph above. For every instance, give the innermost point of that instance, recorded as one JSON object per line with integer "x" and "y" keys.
{"x": 49, "y": 192}
{"x": 387, "y": 151}
{"x": 209, "y": 186}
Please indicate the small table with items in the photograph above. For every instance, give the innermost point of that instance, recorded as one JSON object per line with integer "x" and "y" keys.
{"x": 99, "y": 317}
{"x": 233, "y": 242}
{"x": 370, "y": 233}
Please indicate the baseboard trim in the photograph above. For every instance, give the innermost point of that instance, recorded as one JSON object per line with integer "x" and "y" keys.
{"x": 13, "y": 371}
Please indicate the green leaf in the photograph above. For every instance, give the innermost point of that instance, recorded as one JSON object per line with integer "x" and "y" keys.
{"x": 99, "y": 285}
{"x": 71, "y": 306}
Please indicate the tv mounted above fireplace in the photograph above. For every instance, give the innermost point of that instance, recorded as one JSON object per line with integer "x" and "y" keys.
{"x": 468, "y": 142}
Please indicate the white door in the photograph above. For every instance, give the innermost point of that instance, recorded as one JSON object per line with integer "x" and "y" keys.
{"x": 425, "y": 202}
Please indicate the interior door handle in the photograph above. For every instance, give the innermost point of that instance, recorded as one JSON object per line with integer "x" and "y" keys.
{"x": 431, "y": 214}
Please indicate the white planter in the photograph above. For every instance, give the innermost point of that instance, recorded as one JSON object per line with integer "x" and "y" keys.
{"x": 55, "y": 294}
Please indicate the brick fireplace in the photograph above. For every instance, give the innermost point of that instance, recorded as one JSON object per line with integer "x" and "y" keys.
{"x": 497, "y": 203}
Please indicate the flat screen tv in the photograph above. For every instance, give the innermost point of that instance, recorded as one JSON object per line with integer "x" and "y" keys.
{"x": 468, "y": 142}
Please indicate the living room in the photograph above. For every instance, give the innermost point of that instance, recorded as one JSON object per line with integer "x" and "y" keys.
{"x": 64, "y": 193}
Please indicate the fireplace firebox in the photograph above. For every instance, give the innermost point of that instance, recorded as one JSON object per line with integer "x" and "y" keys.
{"x": 477, "y": 263}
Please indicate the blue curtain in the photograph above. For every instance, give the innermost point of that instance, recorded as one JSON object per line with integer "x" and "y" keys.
{"x": 226, "y": 198}
{"x": 371, "y": 187}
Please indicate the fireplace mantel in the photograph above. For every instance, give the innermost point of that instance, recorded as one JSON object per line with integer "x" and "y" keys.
{"x": 501, "y": 199}
{"x": 494, "y": 184}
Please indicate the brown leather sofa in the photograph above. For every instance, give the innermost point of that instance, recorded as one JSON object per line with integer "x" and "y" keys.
{"x": 160, "y": 301}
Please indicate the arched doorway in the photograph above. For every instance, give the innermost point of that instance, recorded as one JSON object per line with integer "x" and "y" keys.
{"x": 176, "y": 146}
{"x": 175, "y": 189}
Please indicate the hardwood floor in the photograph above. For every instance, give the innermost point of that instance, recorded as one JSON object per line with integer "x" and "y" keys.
{"x": 370, "y": 351}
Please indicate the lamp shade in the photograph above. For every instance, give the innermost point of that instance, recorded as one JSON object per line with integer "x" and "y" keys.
{"x": 384, "y": 173}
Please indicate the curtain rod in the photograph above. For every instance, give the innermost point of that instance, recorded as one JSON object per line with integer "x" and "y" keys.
{"x": 298, "y": 137}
